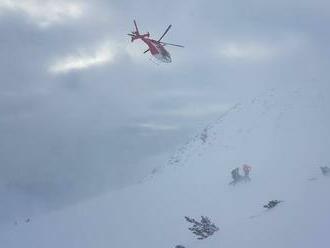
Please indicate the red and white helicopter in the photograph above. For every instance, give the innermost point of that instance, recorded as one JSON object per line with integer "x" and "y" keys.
{"x": 156, "y": 47}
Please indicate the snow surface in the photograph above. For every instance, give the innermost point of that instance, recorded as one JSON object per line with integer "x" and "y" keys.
{"x": 284, "y": 135}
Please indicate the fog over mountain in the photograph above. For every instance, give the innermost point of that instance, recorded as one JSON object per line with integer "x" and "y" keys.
{"x": 83, "y": 111}
{"x": 283, "y": 137}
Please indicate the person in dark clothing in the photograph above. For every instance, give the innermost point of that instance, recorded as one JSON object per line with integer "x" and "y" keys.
{"x": 235, "y": 174}
{"x": 325, "y": 170}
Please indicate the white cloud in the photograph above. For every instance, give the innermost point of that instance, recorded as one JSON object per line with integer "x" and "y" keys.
{"x": 199, "y": 110}
{"x": 261, "y": 50}
{"x": 157, "y": 127}
{"x": 248, "y": 51}
{"x": 84, "y": 59}
{"x": 135, "y": 52}
{"x": 45, "y": 12}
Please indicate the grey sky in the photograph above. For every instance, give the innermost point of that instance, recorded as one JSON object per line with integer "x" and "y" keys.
{"x": 82, "y": 110}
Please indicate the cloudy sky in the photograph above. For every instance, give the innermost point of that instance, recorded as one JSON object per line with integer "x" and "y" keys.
{"x": 83, "y": 111}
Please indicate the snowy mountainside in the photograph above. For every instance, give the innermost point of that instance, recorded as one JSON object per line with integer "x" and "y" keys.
{"x": 198, "y": 142}
{"x": 284, "y": 136}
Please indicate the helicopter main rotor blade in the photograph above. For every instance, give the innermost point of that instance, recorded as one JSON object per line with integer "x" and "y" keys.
{"x": 170, "y": 44}
{"x": 165, "y": 32}
{"x": 146, "y": 50}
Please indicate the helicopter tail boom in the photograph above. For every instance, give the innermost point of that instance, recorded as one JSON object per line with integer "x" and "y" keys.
{"x": 136, "y": 34}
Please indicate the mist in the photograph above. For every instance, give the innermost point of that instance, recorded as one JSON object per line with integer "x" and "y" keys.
{"x": 83, "y": 111}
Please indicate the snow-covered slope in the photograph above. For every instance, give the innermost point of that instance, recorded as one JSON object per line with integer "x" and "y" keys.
{"x": 284, "y": 135}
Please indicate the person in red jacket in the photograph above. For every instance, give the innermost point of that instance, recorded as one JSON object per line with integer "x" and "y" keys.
{"x": 246, "y": 169}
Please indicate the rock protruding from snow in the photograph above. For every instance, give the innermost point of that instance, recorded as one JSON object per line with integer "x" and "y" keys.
{"x": 272, "y": 204}
{"x": 202, "y": 229}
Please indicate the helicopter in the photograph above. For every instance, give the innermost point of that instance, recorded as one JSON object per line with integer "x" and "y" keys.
{"x": 155, "y": 47}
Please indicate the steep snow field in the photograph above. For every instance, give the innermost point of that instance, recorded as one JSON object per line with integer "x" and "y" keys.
{"x": 284, "y": 135}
